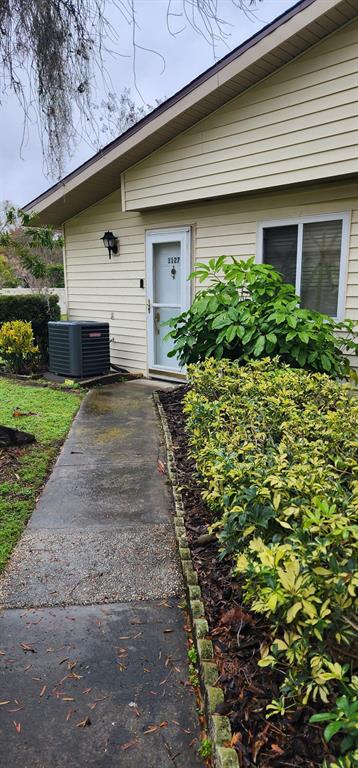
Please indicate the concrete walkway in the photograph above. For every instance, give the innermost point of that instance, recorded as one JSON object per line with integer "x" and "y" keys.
{"x": 92, "y": 642}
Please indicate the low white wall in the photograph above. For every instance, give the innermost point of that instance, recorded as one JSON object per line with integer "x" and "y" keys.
{"x": 60, "y": 292}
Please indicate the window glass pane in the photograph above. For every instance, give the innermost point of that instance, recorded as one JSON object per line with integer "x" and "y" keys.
{"x": 321, "y": 253}
{"x": 161, "y": 347}
{"x": 167, "y": 272}
{"x": 280, "y": 250}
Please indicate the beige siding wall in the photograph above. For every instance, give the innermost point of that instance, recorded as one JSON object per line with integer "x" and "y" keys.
{"x": 109, "y": 290}
{"x": 100, "y": 289}
{"x": 299, "y": 124}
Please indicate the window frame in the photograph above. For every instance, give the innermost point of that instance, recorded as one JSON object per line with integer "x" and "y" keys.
{"x": 299, "y": 221}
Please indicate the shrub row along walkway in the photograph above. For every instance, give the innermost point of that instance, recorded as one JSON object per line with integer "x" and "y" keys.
{"x": 92, "y": 642}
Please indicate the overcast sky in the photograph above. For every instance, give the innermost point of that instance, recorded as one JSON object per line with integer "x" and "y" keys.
{"x": 186, "y": 55}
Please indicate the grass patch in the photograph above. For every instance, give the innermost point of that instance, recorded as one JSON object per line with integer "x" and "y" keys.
{"x": 23, "y": 470}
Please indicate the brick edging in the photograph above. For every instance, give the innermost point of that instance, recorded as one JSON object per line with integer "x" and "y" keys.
{"x": 219, "y": 727}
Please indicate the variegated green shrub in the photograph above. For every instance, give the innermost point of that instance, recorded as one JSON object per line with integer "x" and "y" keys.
{"x": 276, "y": 451}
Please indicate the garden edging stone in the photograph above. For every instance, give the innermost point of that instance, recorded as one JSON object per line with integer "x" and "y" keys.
{"x": 224, "y": 756}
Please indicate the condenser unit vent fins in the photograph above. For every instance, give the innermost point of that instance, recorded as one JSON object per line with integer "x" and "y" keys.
{"x": 79, "y": 349}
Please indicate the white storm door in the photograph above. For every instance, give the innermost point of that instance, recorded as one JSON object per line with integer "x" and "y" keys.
{"x": 168, "y": 291}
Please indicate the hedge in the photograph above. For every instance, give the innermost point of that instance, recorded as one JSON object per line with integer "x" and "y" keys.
{"x": 38, "y": 309}
{"x": 276, "y": 451}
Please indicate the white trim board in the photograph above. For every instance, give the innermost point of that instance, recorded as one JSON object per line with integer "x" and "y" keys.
{"x": 167, "y": 235}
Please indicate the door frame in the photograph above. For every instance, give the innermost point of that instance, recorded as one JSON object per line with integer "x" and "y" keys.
{"x": 165, "y": 235}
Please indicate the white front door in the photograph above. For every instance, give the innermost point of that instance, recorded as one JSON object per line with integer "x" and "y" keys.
{"x": 168, "y": 291}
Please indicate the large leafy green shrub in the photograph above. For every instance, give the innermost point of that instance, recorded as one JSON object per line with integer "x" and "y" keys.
{"x": 247, "y": 311}
{"x": 276, "y": 451}
{"x": 37, "y": 309}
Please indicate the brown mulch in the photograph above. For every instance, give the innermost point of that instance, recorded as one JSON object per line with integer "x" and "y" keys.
{"x": 277, "y": 742}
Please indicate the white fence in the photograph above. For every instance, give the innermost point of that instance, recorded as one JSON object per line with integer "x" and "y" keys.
{"x": 60, "y": 292}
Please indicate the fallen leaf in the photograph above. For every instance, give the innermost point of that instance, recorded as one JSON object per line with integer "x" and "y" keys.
{"x": 163, "y": 724}
{"x": 69, "y": 714}
{"x": 17, "y": 726}
{"x": 84, "y": 723}
{"x": 27, "y": 648}
{"x": 161, "y": 466}
{"x": 166, "y": 631}
{"x": 151, "y": 729}
{"x": 67, "y": 698}
{"x": 129, "y": 744}
{"x": 260, "y": 742}
{"x": 276, "y": 749}
{"x": 2, "y": 703}
{"x": 87, "y": 690}
{"x": 121, "y": 652}
{"x": 43, "y": 691}
{"x": 235, "y": 739}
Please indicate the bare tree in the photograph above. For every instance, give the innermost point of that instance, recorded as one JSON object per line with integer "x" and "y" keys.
{"x": 118, "y": 113}
{"x": 53, "y": 55}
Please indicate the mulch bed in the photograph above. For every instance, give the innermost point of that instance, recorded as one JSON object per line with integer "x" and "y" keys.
{"x": 277, "y": 742}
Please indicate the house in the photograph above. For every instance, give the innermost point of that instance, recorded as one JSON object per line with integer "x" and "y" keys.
{"x": 256, "y": 156}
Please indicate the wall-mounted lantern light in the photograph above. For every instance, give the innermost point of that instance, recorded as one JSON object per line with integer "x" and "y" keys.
{"x": 110, "y": 241}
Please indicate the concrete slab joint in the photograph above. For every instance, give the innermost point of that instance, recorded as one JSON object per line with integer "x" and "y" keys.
{"x": 219, "y": 728}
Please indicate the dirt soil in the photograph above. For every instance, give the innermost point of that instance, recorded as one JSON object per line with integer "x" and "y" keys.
{"x": 277, "y": 742}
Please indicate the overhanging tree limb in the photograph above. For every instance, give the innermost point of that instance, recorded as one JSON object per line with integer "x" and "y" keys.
{"x": 52, "y": 57}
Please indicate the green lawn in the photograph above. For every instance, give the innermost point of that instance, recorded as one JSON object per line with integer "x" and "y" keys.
{"x": 24, "y": 470}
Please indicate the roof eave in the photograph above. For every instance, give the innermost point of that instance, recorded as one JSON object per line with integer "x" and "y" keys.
{"x": 100, "y": 175}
